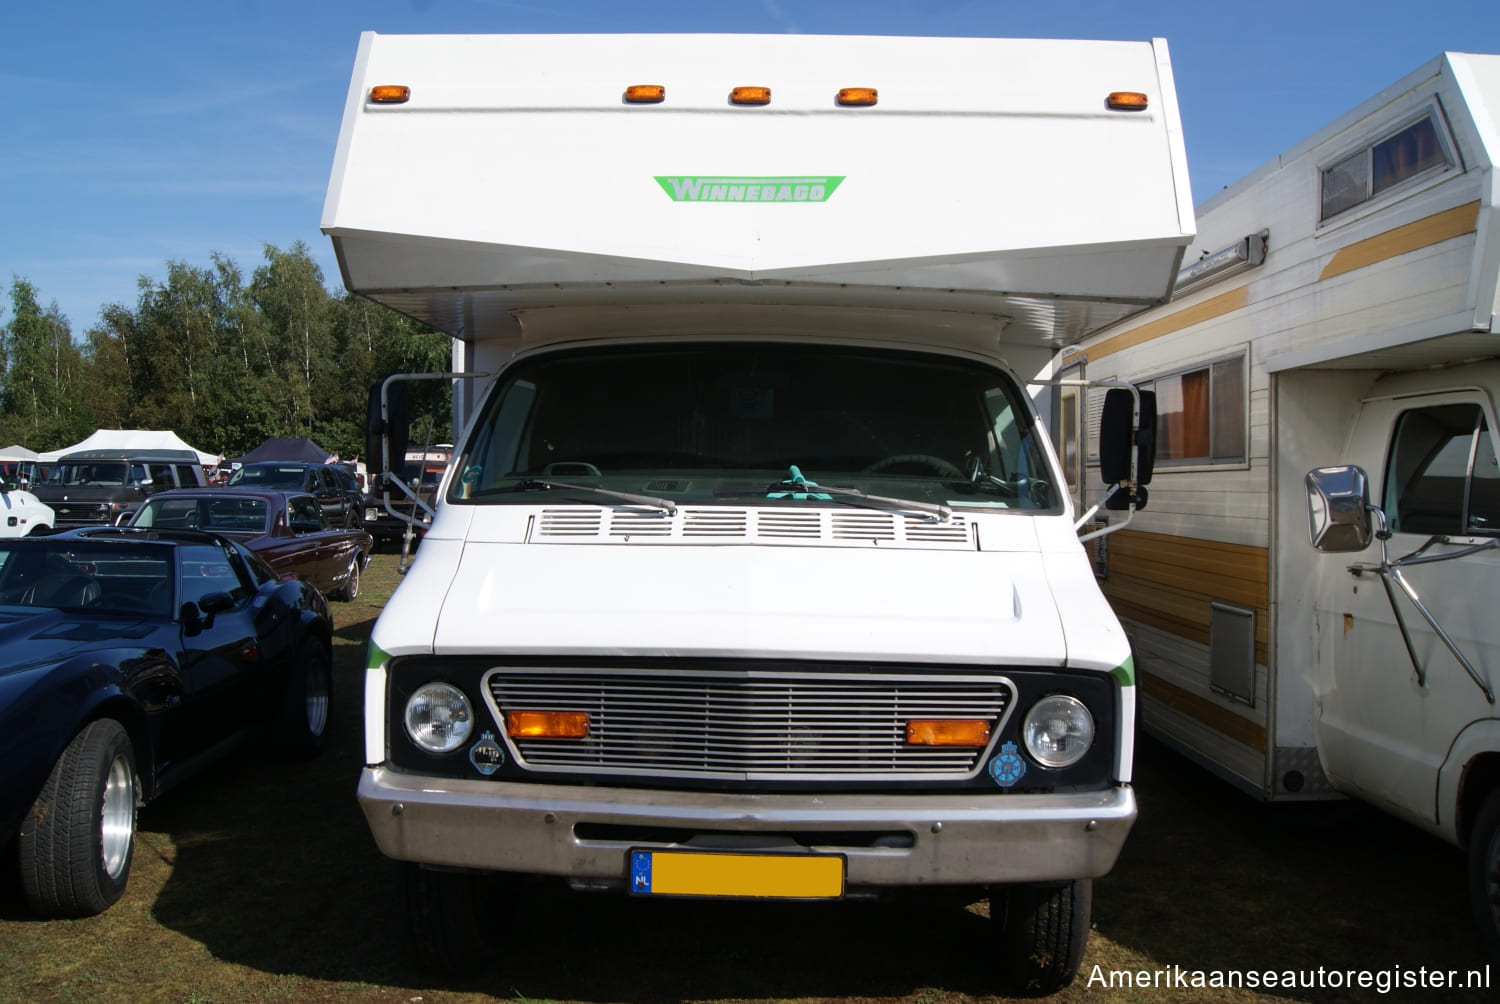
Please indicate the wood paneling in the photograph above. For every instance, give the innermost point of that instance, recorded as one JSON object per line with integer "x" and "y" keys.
{"x": 1170, "y": 582}
{"x": 1423, "y": 233}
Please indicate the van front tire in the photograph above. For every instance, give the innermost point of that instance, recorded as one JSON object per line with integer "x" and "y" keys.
{"x": 440, "y": 910}
{"x": 1484, "y": 873}
{"x": 1040, "y": 933}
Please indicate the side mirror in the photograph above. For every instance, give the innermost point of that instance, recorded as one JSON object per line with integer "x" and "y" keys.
{"x": 1338, "y": 500}
{"x": 1118, "y": 435}
{"x": 216, "y": 603}
{"x": 395, "y": 430}
{"x": 9, "y": 486}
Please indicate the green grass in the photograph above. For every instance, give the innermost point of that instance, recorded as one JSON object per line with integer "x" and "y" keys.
{"x": 258, "y": 881}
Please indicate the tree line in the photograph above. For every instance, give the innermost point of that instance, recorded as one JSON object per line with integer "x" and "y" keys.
{"x": 223, "y": 362}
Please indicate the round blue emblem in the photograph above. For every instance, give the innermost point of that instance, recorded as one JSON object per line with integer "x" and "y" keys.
{"x": 1007, "y": 767}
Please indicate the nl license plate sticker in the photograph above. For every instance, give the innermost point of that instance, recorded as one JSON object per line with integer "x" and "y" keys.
{"x": 733, "y": 875}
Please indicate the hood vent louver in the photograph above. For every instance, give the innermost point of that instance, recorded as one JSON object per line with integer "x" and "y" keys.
{"x": 844, "y": 528}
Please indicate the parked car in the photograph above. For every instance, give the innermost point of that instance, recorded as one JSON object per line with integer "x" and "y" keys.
{"x": 286, "y": 529}
{"x": 98, "y": 487}
{"x": 336, "y": 490}
{"x": 423, "y": 478}
{"x": 128, "y": 660}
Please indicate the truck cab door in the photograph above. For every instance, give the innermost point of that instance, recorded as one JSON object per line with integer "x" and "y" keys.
{"x": 1389, "y": 713}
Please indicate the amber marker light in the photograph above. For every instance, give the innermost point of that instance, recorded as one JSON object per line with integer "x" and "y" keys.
{"x": 948, "y": 732}
{"x": 1127, "y": 101}
{"x": 750, "y": 96}
{"x": 390, "y": 94}
{"x": 547, "y": 724}
{"x": 857, "y": 96}
{"x": 645, "y": 94}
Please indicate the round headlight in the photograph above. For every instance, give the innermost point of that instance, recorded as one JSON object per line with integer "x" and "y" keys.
{"x": 439, "y": 717}
{"x": 1058, "y": 730}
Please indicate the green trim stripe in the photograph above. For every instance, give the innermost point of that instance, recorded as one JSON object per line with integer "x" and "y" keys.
{"x": 705, "y": 188}
{"x": 375, "y": 657}
{"x": 1125, "y": 672}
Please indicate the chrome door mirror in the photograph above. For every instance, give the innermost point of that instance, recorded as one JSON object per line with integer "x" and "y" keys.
{"x": 1338, "y": 501}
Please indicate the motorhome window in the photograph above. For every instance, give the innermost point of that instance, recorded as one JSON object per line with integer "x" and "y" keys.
{"x": 1405, "y": 154}
{"x": 688, "y": 419}
{"x": 1201, "y": 414}
{"x": 1441, "y": 476}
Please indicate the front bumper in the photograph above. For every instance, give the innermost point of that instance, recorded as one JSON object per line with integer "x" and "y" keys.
{"x": 587, "y": 833}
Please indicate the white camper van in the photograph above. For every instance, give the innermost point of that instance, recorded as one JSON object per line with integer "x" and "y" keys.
{"x": 753, "y": 575}
{"x": 1337, "y": 309}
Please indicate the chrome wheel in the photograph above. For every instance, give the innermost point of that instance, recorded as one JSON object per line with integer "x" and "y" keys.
{"x": 117, "y": 817}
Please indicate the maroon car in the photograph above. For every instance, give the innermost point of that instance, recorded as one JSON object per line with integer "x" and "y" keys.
{"x": 286, "y": 529}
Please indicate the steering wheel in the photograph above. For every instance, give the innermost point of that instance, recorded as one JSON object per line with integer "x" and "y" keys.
{"x": 942, "y": 467}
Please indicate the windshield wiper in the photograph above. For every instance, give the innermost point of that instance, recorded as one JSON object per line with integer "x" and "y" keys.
{"x": 534, "y": 485}
{"x": 796, "y": 486}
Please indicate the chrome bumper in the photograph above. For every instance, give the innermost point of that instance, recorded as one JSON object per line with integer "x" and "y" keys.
{"x": 949, "y": 839}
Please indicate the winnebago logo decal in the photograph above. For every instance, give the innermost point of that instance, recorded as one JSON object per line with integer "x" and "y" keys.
{"x": 775, "y": 189}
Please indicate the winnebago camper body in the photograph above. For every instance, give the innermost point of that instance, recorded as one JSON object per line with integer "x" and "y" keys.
{"x": 751, "y": 575}
{"x": 1339, "y": 308}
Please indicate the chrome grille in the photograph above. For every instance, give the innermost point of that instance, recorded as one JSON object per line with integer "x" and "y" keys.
{"x": 755, "y": 726}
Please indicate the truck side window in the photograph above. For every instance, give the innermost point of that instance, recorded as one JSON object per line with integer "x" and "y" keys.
{"x": 1441, "y": 477}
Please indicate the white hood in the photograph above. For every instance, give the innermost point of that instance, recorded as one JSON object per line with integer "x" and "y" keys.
{"x": 874, "y": 603}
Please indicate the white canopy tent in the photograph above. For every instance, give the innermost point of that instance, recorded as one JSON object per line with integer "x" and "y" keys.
{"x": 131, "y": 439}
{"x": 12, "y": 454}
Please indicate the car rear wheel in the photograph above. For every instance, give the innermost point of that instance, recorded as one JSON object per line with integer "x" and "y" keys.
{"x": 307, "y": 699}
{"x": 350, "y": 589}
{"x": 76, "y": 842}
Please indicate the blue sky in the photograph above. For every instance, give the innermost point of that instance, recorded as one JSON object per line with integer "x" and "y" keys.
{"x": 138, "y": 133}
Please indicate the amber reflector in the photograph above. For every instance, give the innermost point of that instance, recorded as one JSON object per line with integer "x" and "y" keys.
{"x": 547, "y": 724}
{"x": 948, "y": 732}
{"x": 857, "y": 96}
{"x": 750, "y": 96}
{"x": 645, "y": 94}
{"x": 1127, "y": 101}
{"x": 390, "y": 94}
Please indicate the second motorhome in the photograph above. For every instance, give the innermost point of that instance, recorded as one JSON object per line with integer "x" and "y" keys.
{"x": 1300, "y": 627}
{"x": 753, "y": 575}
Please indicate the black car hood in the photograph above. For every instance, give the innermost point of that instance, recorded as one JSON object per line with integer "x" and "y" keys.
{"x": 31, "y": 637}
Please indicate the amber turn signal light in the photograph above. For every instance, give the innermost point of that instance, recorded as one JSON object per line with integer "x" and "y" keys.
{"x": 1126, "y": 101}
{"x": 390, "y": 94}
{"x": 547, "y": 724}
{"x": 750, "y": 96}
{"x": 857, "y": 96}
{"x": 948, "y": 732}
{"x": 645, "y": 94}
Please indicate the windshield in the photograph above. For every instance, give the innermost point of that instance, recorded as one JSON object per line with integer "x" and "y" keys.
{"x": 94, "y": 473}
{"x": 267, "y": 477}
{"x": 722, "y": 423}
{"x": 72, "y": 574}
{"x": 228, "y": 513}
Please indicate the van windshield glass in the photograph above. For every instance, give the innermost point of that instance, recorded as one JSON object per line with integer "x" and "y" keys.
{"x": 78, "y": 475}
{"x": 723, "y": 423}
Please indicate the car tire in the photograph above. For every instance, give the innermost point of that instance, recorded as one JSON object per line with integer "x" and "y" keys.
{"x": 1484, "y": 873}
{"x": 1041, "y": 931}
{"x": 77, "y": 841}
{"x": 306, "y": 702}
{"x": 440, "y": 910}
{"x": 350, "y": 589}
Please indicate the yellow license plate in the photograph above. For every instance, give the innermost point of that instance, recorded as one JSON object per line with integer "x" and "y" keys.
{"x": 735, "y": 875}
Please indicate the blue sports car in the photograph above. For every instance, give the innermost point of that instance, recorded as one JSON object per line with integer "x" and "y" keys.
{"x": 128, "y": 659}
